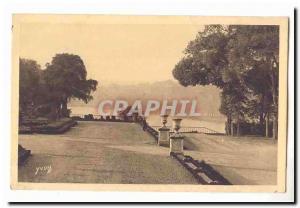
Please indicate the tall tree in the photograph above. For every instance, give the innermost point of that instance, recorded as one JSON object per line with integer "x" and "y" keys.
{"x": 227, "y": 57}
{"x": 66, "y": 78}
{"x": 234, "y": 98}
{"x": 29, "y": 78}
{"x": 260, "y": 43}
{"x": 259, "y": 82}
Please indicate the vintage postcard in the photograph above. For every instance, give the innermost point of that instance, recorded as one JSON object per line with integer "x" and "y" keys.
{"x": 149, "y": 103}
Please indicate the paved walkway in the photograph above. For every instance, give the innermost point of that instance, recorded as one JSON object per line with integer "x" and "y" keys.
{"x": 243, "y": 161}
{"x": 100, "y": 152}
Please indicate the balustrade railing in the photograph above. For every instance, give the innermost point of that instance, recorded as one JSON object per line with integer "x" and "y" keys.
{"x": 191, "y": 129}
{"x": 151, "y": 129}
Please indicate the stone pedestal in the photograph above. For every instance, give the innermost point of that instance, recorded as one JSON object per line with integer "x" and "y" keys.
{"x": 176, "y": 143}
{"x": 163, "y": 136}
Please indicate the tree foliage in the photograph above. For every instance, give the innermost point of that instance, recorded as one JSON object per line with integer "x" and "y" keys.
{"x": 242, "y": 60}
{"x": 62, "y": 79}
{"x": 68, "y": 77}
{"x": 29, "y": 78}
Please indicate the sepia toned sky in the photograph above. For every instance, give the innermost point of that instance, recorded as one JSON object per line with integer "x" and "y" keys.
{"x": 113, "y": 53}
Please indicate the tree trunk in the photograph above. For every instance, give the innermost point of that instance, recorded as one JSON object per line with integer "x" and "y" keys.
{"x": 275, "y": 127}
{"x": 274, "y": 85}
{"x": 238, "y": 133}
{"x": 58, "y": 110}
{"x": 228, "y": 125}
{"x": 275, "y": 116}
{"x": 64, "y": 109}
{"x": 267, "y": 125}
{"x": 53, "y": 112}
{"x": 261, "y": 114}
{"x": 261, "y": 119}
{"x": 232, "y": 129}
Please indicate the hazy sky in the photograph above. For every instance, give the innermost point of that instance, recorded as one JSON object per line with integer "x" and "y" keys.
{"x": 122, "y": 53}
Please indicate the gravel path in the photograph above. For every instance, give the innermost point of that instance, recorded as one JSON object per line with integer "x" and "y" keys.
{"x": 100, "y": 152}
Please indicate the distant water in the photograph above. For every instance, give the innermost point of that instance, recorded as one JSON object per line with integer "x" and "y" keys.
{"x": 217, "y": 124}
{"x": 83, "y": 110}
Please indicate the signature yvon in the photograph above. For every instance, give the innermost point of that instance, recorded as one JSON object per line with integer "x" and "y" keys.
{"x": 43, "y": 169}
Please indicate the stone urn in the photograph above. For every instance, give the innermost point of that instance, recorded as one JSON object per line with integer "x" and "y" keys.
{"x": 176, "y": 124}
{"x": 164, "y": 119}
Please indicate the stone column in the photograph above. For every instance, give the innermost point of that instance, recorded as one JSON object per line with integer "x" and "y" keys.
{"x": 163, "y": 136}
{"x": 176, "y": 143}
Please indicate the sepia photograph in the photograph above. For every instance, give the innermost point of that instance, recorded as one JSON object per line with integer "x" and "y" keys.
{"x": 149, "y": 103}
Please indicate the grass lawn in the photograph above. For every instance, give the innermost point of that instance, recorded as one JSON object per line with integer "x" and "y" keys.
{"x": 100, "y": 152}
{"x": 242, "y": 160}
